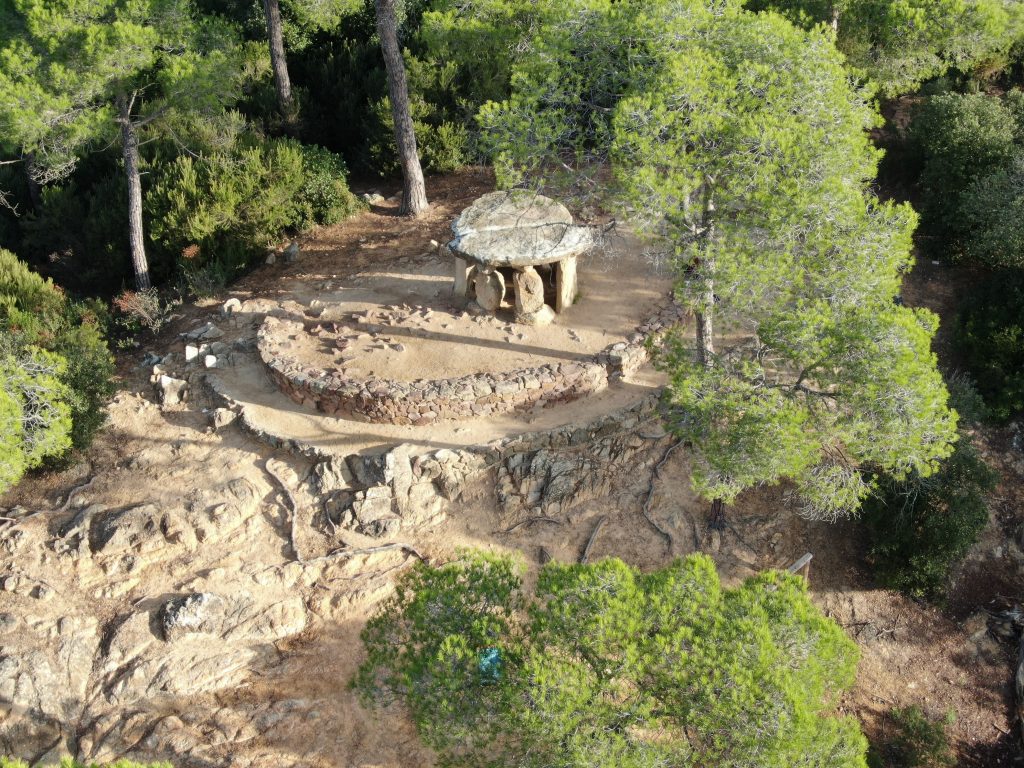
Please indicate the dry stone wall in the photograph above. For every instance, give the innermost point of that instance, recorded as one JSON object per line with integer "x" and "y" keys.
{"x": 421, "y": 403}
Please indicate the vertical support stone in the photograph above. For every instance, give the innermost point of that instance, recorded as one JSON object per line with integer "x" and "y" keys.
{"x": 565, "y": 284}
{"x": 462, "y": 274}
{"x": 490, "y": 289}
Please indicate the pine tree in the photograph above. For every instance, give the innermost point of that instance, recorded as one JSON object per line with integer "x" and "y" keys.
{"x": 738, "y": 143}
{"x": 78, "y": 73}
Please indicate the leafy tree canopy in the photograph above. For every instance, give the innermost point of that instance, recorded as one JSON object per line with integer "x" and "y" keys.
{"x": 738, "y": 143}
{"x": 55, "y": 370}
{"x": 65, "y": 64}
{"x": 899, "y": 44}
{"x": 605, "y": 666}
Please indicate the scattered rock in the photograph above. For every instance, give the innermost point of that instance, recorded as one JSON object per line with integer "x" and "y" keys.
{"x": 191, "y": 352}
{"x": 197, "y": 613}
{"x": 332, "y": 475}
{"x": 222, "y": 417}
{"x": 291, "y": 253}
{"x": 206, "y": 332}
{"x": 172, "y": 391}
{"x": 230, "y": 307}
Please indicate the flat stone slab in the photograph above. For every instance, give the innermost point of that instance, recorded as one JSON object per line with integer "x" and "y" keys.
{"x": 518, "y": 228}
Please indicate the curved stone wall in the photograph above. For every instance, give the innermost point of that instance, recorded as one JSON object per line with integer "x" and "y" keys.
{"x": 424, "y": 402}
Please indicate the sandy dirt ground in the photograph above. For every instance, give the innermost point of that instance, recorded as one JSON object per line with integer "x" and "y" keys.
{"x": 286, "y": 700}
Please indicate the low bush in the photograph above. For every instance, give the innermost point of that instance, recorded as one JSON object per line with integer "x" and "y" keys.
{"x": 919, "y": 528}
{"x": 917, "y": 741}
{"x": 61, "y": 338}
{"x": 138, "y": 311}
{"x": 324, "y": 197}
{"x": 6, "y": 762}
{"x": 992, "y": 217}
{"x": 989, "y": 334}
{"x": 214, "y": 216}
{"x": 958, "y": 139}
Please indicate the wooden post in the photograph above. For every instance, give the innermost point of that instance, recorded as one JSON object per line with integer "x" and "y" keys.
{"x": 803, "y": 564}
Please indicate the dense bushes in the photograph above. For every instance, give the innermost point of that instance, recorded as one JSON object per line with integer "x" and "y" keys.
{"x": 990, "y": 337}
{"x": 55, "y": 370}
{"x": 211, "y": 216}
{"x": 607, "y": 666}
{"x": 920, "y": 528}
{"x": 916, "y": 741}
{"x": 965, "y": 144}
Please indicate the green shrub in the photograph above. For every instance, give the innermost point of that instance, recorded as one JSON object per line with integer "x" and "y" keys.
{"x": 324, "y": 197}
{"x": 919, "y": 528}
{"x": 990, "y": 338}
{"x": 215, "y": 215}
{"x": 6, "y": 762}
{"x": 918, "y": 742}
{"x": 603, "y": 665}
{"x": 34, "y": 313}
{"x": 992, "y": 211}
{"x": 84, "y": 231}
{"x": 959, "y": 138}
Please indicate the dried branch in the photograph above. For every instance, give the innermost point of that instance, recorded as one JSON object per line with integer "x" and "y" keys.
{"x": 592, "y": 539}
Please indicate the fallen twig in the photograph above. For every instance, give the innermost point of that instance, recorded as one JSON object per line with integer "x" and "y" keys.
{"x": 655, "y": 476}
{"x": 342, "y": 553}
{"x": 592, "y": 539}
{"x": 528, "y": 521}
{"x": 294, "y": 507}
{"x": 74, "y": 492}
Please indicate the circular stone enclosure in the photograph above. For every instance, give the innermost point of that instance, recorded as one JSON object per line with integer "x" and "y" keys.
{"x": 395, "y": 346}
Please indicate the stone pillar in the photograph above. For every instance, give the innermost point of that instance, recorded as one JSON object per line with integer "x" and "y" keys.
{"x": 463, "y": 272}
{"x": 565, "y": 284}
{"x": 530, "y": 306}
{"x": 490, "y": 289}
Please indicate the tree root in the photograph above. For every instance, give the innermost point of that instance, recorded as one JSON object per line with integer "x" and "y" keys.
{"x": 343, "y": 553}
{"x": 528, "y": 521}
{"x": 646, "y": 509}
{"x": 592, "y": 539}
{"x": 74, "y": 492}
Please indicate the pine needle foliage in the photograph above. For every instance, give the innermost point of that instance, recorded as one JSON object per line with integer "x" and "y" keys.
{"x": 602, "y": 665}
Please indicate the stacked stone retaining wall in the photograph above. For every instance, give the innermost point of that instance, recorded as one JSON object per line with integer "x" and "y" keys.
{"x": 420, "y": 403}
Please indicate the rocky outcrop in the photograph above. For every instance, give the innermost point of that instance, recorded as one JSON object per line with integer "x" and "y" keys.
{"x": 541, "y": 472}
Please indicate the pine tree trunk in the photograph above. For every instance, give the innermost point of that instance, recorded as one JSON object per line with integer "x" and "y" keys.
{"x": 704, "y": 327}
{"x": 414, "y": 192}
{"x": 130, "y": 149}
{"x": 282, "y": 82}
{"x": 835, "y": 20}
{"x": 35, "y": 190}
{"x": 703, "y": 322}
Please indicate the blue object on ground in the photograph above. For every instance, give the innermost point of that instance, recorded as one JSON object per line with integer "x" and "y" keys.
{"x": 490, "y": 665}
